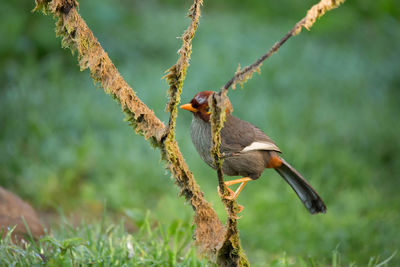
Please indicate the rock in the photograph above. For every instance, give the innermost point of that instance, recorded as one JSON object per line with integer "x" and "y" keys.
{"x": 12, "y": 209}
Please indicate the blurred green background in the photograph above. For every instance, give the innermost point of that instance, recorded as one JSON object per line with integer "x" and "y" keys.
{"x": 330, "y": 99}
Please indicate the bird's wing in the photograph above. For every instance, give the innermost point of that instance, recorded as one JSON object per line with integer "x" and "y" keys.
{"x": 241, "y": 136}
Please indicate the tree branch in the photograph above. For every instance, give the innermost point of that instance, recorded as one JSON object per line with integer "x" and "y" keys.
{"x": 177, "y": 73}
{"x": 315, "y": 12}
{"x": 231, "y": 253}
{"x": 175, "y": 78}
{"x": 77, "y": 36}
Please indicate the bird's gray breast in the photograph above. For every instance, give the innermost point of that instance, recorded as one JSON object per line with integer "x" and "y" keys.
{"x": 200, "y": 133}
{"x": 249, "y": 164}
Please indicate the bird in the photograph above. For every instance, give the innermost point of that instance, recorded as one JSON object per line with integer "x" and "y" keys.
{"x": 247, "y": 152}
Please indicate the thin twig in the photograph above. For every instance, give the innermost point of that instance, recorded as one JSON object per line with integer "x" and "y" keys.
{"x": 315, "y": 12}
{"x": 243, "y": 75}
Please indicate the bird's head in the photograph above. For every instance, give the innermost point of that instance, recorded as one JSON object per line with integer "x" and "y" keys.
{"x": 199, "y": 105}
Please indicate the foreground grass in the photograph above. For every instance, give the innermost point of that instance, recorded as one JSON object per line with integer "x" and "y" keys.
{"x": 107, "y": 244}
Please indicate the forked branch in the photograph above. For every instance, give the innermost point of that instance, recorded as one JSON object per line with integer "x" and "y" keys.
{"x": 77, "y": 36}
{"x": 218, "y": 107}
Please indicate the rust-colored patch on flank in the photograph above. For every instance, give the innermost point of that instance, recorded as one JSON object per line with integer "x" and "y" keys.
{"x": 274, "y": 162}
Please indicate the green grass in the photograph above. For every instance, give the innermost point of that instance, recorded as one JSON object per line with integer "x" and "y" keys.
{"x": 329, "y": 99}
{"x": 108, "y": 244}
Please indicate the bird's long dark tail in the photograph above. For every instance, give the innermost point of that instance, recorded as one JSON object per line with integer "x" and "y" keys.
{"x": 303, "y": 189}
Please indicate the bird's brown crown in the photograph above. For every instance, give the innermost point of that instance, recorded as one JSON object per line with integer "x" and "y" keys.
{"x": 200, "y": 107}
{"x": 201, "y": 99}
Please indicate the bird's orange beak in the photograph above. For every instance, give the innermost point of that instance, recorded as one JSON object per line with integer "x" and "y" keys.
{"x": 189, "y": 107}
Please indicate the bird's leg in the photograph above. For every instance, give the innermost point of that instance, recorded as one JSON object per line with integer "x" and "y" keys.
{"x": 231, "y": 192}
{"x": 237, "y": 192}
{"x": 236, "y": 181}
{"x": 233, "y": 195}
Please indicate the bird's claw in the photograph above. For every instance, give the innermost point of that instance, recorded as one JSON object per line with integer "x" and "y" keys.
{"x": 241, "y": 208}
{"x": 229, "y": 197}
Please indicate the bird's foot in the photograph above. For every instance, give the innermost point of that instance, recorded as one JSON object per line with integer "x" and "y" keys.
{"x": 241, "y": 208}
{"x": 231, "y": 195}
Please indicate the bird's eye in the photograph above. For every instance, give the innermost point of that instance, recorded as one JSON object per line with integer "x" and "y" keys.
{"x": 208, "y": 110}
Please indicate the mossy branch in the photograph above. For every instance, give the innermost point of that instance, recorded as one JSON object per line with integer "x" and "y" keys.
{"x": 175, "y": 77}
{"x": 315, "y": 12}
{"x": 231, "y": 253}
{"x": 177, "y": 73}
{"x": 77, "y": 36}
